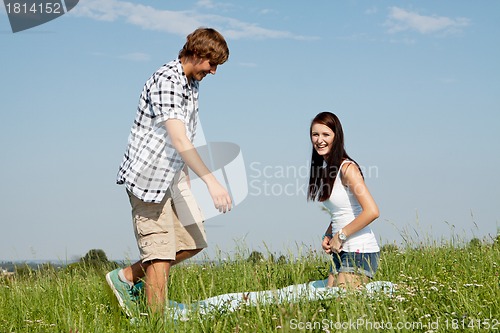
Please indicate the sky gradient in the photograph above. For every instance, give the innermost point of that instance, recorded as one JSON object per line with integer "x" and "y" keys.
{"x": 415, "y": 84}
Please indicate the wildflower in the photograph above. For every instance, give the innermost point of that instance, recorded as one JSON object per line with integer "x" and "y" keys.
{"x": 400, "y": 298}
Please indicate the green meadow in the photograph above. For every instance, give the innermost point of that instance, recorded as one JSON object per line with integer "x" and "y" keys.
{"x": 445, "y": 287}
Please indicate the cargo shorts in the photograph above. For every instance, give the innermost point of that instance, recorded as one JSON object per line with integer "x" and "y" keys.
{"x": 175, "y": 224}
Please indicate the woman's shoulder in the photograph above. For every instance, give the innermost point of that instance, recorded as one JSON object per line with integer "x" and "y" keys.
{"x": 349, "y": 170}
{"x": 346, "y": 165}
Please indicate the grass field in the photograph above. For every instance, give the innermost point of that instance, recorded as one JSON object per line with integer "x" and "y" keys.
{"x": 446, "y": 287}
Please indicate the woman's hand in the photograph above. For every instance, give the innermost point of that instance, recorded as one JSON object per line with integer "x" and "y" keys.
{"x": 326, "y": 244}
{"x": 335, "y": 244}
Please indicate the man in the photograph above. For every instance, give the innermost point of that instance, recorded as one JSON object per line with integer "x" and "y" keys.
{"x": 167, "y": 221}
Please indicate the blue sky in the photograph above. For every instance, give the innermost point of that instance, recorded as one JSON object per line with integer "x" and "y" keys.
{"x": 415, "y": 83}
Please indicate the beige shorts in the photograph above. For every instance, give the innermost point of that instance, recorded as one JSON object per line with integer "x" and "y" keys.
{"x": 175, "y": 224}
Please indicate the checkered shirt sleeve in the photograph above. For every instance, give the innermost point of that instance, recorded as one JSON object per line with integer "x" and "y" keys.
{"x": 150, "y": 161}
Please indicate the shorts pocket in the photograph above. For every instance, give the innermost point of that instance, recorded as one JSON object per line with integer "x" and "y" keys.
{"x": 146, "y": 226}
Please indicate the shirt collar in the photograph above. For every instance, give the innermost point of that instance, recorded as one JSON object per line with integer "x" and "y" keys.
{"x": 184, "y": 80}
{"x": 180, "y": 69}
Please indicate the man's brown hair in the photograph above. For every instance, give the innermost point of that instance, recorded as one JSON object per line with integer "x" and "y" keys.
{"x": 206, "y": 43}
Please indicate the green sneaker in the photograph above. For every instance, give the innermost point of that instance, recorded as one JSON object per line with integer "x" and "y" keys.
{"x": 127, "y": 296}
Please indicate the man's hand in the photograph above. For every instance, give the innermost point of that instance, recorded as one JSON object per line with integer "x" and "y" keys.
{"x": 220, "y": 196}
{"x": 177, "y": 132}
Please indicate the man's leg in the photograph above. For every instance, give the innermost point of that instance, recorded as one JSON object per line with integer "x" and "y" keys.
{"x": 189, "y": 240}
{"x": 156, "y": 283}
{"x": 185, "y": 254}
{"x": 188, "y": 221}
{"x": 156, "y": 277}
{"x": 135, "y": 272}
{"x": 123, "y": 284}
{"x": 157, "y": 273}
{"x": 155, "y": 234}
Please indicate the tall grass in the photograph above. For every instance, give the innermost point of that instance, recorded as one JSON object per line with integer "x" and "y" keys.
{"x": 440, "y": 288}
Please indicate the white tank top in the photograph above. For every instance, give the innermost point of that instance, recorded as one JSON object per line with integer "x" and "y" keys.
{"x": 344, "y": 207}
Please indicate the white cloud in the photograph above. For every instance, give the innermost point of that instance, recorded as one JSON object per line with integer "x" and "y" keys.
{"x": 175, "y": 22}
{"x": 266, "y": 11}
{"x": 206, "y": 3}
{"x": 236, "y": 29}
{"x": 146, "y": 17}
{"x": 209, "y": 4}
{"x": 402, "y": 20}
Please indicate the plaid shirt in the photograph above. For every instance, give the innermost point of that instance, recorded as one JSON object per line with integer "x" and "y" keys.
{"x": 150, "y": 161}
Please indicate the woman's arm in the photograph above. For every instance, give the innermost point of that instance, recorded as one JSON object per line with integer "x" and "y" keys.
{"x": 351, "y": 177}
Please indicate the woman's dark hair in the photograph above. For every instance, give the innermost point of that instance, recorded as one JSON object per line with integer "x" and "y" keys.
{"x": 324, "y": 171}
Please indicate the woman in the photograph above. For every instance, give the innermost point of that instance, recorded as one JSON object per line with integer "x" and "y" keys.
{"x": 337, "y": 181}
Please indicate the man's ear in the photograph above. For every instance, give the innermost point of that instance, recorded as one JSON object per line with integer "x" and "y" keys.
{"x": 196, "y": 60}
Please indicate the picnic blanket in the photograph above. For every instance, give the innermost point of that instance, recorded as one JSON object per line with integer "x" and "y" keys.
{"x": 311, "y": 291}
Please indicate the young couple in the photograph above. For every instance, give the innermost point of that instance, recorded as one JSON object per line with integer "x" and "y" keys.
{"x": 167, "y": 221}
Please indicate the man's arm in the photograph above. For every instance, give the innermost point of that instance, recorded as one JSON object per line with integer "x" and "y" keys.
{"x": 177, "y": 132}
